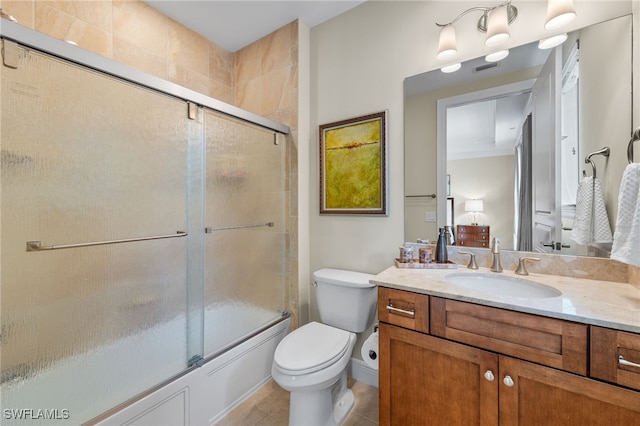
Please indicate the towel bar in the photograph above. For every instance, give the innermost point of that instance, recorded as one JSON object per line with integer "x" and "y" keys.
{"x": 604, "y": 151}
{"x": 37, "y": 245}
{"x": 421, "y": 196}
{"x": 635, "y": 136}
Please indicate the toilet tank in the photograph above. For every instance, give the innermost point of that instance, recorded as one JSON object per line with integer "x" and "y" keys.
{"x": 346, "y": 299}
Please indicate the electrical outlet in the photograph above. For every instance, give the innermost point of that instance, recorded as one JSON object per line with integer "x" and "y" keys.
{"x": 429, "y": 216}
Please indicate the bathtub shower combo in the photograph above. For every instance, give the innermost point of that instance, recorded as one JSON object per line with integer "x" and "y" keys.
{"x": 143, "y": 238}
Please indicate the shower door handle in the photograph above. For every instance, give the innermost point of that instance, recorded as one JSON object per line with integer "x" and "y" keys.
{"x": 37, "y": 245}
{"x": 226, "y": 228}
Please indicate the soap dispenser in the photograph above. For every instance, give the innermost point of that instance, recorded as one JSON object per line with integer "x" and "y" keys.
{"x": 441, "y": 248}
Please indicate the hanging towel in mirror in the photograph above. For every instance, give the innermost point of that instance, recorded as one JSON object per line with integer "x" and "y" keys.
{"x": 591, "y": 224}
{"x": 626, "y": 239}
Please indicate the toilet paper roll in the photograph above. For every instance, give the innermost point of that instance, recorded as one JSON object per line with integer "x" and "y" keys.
{"x": 369, "y": 350}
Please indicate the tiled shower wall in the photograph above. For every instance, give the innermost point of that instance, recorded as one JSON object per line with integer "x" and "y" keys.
{"x": 261, "y": 78}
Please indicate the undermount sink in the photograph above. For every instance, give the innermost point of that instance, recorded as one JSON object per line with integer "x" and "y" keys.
{"x": 500, "y": 285}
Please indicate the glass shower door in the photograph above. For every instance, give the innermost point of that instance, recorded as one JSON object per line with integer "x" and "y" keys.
{"x": 89, "y": 318}
{"x": 245, "y": 240}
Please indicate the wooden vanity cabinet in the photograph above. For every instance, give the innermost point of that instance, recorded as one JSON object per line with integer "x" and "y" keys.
{"x": 403, "y": 308}
{"x": 615, "y": 357}
{"x": 539, "y": 395}
{"x": 425, "y": 380}
{"x": 548, "y": 341}
{"x": 488, "y": 366}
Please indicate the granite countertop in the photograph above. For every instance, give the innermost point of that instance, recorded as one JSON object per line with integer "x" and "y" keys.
{"x": 603, "y": 303}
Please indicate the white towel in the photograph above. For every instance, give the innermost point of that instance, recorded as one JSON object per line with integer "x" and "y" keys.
{"x": 591, "y": 224}
{"x": 626, "y": 240}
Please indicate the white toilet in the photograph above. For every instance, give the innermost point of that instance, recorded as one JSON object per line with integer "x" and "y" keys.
{"x": 311, "y": 362}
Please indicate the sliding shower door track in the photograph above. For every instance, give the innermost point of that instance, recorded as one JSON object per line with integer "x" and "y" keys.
{"x": 32, "y": 39}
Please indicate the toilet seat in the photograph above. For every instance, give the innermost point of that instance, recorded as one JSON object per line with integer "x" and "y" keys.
{"x": 310, "y": 348}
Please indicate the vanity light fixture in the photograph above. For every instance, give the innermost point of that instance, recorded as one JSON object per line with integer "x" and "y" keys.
{"x": 447, "y": 47}
{"x": 495, "y": 23}
{"x": 498, "y": 26}
{"x": 559, "y": 14}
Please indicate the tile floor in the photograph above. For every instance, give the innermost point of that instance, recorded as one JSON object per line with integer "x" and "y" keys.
{"x": 269, "y": 406}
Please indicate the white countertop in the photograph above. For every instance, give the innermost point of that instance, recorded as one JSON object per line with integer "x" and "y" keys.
{"x": 604, "y": 303}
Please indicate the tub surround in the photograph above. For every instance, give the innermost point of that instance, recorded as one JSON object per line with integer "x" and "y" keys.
{"x": 599, "y": 302}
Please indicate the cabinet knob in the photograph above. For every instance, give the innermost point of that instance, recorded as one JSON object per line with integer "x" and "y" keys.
{"x": 508, "y": 381}
{"x": 489, "y": 375}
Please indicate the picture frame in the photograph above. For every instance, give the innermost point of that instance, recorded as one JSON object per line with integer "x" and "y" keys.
{"x": 353, "y": 166}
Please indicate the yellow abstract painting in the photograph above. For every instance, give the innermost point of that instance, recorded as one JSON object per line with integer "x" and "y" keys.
{"x": 352, "y": 161}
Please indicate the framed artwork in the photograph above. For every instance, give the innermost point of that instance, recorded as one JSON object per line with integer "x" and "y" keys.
{"x": 353, "y": 166}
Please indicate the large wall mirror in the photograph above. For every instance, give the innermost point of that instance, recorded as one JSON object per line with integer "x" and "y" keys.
{"x": 515, "y": 134}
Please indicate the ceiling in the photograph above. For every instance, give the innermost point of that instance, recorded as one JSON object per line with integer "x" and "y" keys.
{"x": 236, "y": 24}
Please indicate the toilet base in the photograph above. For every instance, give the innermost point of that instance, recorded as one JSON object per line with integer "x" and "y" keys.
{"x": 322, "y": 407}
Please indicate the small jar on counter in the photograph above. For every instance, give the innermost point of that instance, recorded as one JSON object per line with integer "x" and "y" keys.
{"x": 425, "y": 255}
{"x": 406, "y": 254}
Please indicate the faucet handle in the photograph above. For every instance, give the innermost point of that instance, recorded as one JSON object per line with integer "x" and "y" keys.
{"x": 521, "y": 270}
{"x": 472, "y": 260}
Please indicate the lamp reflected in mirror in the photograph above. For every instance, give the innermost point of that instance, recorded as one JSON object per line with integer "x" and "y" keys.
{"x": 474, "y": 207}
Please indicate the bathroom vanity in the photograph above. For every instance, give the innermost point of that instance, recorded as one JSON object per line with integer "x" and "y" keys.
{"x": 456, "y": 355}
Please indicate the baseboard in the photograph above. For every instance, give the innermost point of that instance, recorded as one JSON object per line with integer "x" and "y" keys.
{"x": 360, "y": 371}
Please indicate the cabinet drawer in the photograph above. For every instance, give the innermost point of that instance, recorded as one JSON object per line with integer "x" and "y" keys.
{"x": 404, "y": 309}
{"x": 472, "y": 243}
{"x": 547, "y": 341}
{"x": 477, "y": 237}
{"x": 615, "y": 356}
{"x": 472, "y": 229}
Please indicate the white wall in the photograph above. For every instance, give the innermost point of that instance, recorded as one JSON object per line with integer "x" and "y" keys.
{"x": 491, "y": 180}
{"x": 358, "y": 63}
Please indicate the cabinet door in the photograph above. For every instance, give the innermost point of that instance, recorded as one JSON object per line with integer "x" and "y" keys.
{"x": 425, "y": 380}
{"x": 540, "y": 395}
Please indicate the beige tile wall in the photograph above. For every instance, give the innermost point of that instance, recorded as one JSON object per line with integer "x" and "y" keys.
{"x": 261, "y": 78}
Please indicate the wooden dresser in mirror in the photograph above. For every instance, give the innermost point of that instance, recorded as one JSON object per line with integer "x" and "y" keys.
{"x": 472, "y": 235}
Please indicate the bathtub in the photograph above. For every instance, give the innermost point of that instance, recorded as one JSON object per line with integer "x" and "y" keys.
{"x": 202, "y": 395}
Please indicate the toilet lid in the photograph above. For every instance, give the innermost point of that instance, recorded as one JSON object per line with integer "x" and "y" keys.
{"x": 311, "y": 348}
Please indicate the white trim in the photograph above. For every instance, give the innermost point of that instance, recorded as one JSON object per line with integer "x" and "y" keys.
{"x": 360, "y": 371}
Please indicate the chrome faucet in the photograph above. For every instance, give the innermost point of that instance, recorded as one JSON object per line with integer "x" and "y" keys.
{"x": 522, "y": 270}
{"x": 496, "y": 266}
